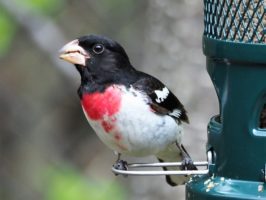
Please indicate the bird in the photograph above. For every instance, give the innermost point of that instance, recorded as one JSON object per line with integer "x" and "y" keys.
{"x": 132, "y": 112}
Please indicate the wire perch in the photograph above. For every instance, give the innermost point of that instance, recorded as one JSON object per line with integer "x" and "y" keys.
{"x": 131, "y": 166}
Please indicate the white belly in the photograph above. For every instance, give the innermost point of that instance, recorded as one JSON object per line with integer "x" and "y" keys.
{"x": 138, "y": 131}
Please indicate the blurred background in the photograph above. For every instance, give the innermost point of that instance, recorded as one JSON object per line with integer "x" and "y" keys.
{"x": 47, "y": 149}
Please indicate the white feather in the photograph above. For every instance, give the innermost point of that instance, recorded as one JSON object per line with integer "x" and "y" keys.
{"x": 176, "y": 113}
{"x": 161, "y": 94}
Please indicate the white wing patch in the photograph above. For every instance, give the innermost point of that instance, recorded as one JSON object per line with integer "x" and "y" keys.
{"x": 176, "y": 113}
{"x": 161, "y": 95}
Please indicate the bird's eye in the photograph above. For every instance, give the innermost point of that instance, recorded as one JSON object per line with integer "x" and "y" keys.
{"x": 98, "y": 48}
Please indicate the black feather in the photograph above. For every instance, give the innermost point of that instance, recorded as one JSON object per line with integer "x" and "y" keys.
{"x": 149, "y": 85}
{"x": 168, "y": 177}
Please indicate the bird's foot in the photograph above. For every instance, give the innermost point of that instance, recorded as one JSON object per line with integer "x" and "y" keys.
{"x": 187, "y": 164}
{"x": 120, "y": 165}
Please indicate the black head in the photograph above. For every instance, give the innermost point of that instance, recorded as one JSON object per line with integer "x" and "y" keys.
{"x": 97, "y": 53}
{"x": 99, "y": 60}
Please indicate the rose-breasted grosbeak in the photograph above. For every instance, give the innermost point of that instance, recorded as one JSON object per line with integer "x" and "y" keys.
{"x": 132, "y": 112}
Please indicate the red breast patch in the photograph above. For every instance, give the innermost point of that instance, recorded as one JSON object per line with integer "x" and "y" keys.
{"x": 99, "y": 105}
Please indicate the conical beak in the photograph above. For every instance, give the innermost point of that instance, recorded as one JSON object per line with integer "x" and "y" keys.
{"x": 74, "y": 53}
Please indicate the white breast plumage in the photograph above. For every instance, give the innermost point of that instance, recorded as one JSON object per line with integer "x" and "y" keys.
{"x": 141, "y": 131}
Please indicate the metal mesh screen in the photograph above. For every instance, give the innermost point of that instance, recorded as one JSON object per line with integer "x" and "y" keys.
{"x": 235, "y": 20}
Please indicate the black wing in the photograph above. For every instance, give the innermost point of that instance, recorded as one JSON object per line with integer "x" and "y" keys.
{"x": 162, "y": 100}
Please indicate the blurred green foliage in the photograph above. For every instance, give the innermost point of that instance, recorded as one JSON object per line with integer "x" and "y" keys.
{"x": 45, "y": 7}
{"x": 7, "y": 31}
{"x": 68, "y": 184}
{"x": 8, "y": 26}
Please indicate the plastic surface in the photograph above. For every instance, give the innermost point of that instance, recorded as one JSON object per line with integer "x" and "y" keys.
{"x": 238, "y": 141}
{"x": 236, "y": 63}
{"x": 208, "y": 188}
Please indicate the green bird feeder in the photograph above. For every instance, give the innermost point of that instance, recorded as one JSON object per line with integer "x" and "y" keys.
{"x": 234, "y": 43}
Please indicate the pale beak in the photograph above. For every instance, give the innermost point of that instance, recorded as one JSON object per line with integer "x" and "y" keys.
{"x": 74, "y": 53}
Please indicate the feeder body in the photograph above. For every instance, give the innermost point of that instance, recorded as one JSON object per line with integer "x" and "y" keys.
{"x": 236, "y": 63}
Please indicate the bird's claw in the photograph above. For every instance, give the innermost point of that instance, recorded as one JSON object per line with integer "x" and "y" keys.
{"x": 121, "y": 165}
{"x": 187, "y": 164}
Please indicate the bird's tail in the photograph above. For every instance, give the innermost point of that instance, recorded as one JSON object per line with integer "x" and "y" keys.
{"x": 175, "y": 154}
